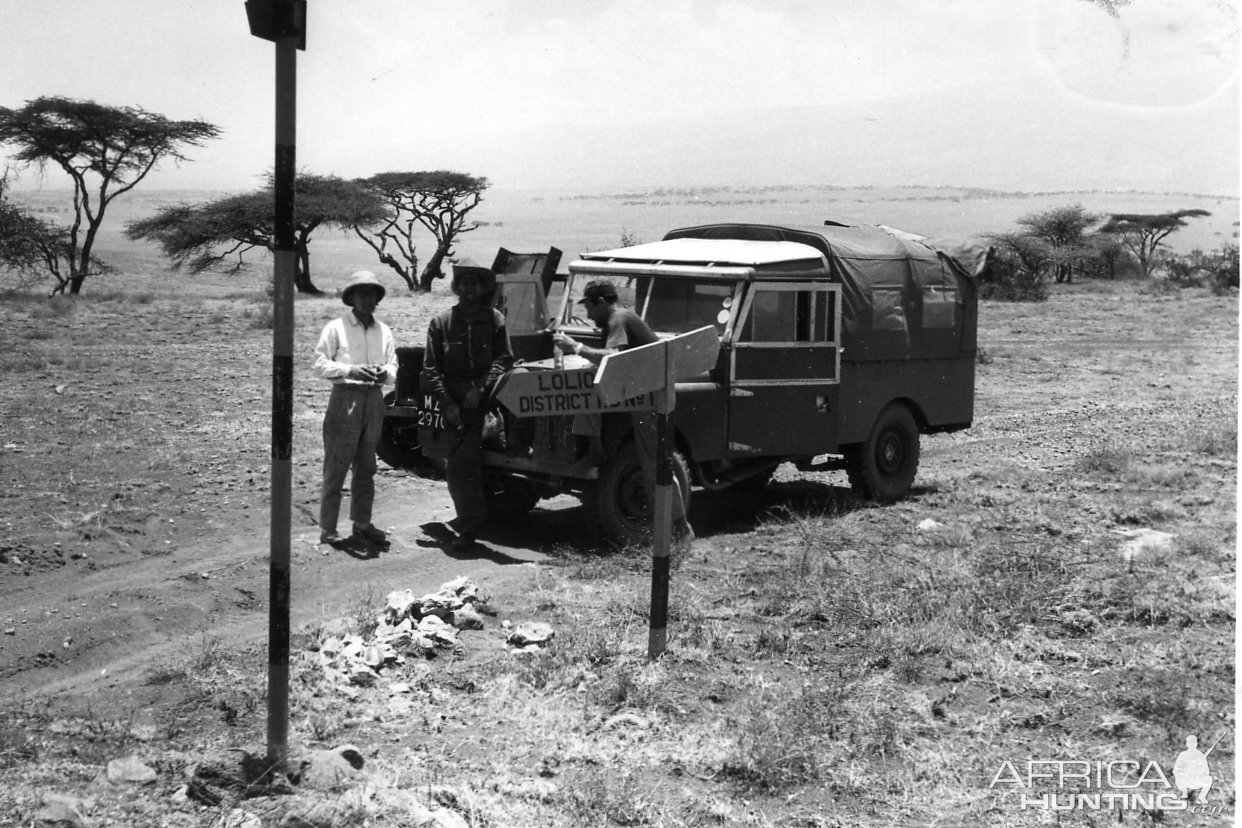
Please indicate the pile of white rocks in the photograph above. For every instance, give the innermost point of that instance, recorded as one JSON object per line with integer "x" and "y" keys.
{"x": 408, "y": 627}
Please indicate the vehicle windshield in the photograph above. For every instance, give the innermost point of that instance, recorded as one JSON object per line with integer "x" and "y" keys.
{"x": 669, "y": 305}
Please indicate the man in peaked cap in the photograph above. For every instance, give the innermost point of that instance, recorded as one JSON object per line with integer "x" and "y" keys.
{"x": 357, "y": 355}
{"x": 625, "y": 329}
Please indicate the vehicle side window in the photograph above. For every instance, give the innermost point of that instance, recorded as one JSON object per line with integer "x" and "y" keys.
{"x": 939, "y": 307}
{"x": 771, "y": 317}
{"x": 790, "y": 316}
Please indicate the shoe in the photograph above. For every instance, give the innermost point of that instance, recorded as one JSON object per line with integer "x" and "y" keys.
{"x": 332, "y": 538}
{"x": 372, "y": 533}
{"x": 463, "y": 542}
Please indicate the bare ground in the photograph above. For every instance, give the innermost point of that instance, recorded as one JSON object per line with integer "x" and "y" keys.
{"x": 133, "y": 452}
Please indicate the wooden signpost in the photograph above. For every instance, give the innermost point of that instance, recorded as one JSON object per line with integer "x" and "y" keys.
{"x": 656, "y": 369}
{"x": 638, "y": 379}
{"x": 552, "y": 393}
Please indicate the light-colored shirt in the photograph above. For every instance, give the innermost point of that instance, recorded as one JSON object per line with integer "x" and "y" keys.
{"x": 345, "y": 343}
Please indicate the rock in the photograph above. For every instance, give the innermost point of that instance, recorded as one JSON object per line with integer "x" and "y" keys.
{"x": 324, "y": 769}
{"x": 463, "y": 588}
{"x": 239, "y": 818}
{"x": 420, "y": 645}
{"x": 438, "y": 631}
{"x": 531, "y": 632}
{"x": 626, "y": 719}
{"x": 352, "y": 647}
{"x": 444, "y": 818}
{"x": 61, "y": 810}
{"x": 437, "y": 605}
{"x": 374, "y": 657}
{"x": 130, "y": 771}
{"x": 362, "y": 675}
{"x": 929, "y": 525}
{"x": 450, "y": 597}
{"x": 404, "y": 802}
{"x": 399, "y": 604}
{"x": 1142, "y": 541}
{"x": 467, "y": 618}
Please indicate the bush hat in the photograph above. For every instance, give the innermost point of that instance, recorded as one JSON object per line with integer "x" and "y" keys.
{"x": 599, "y": 289}
{"x": 362, "y": 278}
{"x": 469, "y": 267}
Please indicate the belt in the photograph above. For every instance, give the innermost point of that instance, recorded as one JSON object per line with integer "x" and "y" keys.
{"x": 357, "y": 386}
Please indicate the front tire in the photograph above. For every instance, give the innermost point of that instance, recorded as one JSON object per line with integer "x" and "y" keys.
{"x": 883, "y": 468}
{"x": 617, "y": 507}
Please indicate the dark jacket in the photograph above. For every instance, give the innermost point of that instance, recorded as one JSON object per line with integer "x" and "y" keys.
{"x": 465, "y": 352}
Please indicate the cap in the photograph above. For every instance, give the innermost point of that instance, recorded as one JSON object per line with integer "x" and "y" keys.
{"x": 362, "y": 278}
{"x": 599, "y": 289}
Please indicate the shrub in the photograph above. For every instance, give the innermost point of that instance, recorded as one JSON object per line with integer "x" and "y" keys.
{"x": 1016, "y": 270}
{"x": 1217, "y": 271}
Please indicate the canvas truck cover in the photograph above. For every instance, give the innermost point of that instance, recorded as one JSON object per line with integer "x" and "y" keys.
{"x": 902, "y": 297}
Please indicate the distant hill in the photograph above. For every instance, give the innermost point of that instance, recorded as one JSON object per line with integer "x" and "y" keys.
{"x": 976, "y": 137}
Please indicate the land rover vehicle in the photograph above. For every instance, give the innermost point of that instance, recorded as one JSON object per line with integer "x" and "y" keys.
{"x": 840, "y": 346}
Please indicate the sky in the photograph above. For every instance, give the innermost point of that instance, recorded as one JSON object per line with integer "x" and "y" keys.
{"x": 503, "y": 87}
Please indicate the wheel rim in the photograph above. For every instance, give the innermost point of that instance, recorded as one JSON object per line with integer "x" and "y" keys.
{"x": 632, "y": 504}
{"x": 890, "y": 453}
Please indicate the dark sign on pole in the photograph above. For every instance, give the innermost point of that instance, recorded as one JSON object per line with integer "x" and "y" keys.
{"x": 276, "y": 19}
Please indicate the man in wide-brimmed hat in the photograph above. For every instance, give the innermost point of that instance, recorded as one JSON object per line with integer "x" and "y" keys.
{"x": 467, "y": 351}
{"x": 357, "y": 355}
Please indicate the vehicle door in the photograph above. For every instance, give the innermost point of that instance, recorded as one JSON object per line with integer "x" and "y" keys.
{"x": 784, "y": 369}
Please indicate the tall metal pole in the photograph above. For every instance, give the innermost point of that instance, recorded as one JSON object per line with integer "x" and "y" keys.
{"x": 282, "y": 391}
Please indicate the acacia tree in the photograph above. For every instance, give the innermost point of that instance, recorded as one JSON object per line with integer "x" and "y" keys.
{"x": 1064, "y": 229}
{"x": 105, "y": 150}
{"x": 205, "y": 236}
{"x": 438, "y": 201}
{"x": 1143, "y": 234}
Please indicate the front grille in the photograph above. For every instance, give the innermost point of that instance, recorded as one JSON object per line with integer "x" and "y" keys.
{"x": 409, "y": 366}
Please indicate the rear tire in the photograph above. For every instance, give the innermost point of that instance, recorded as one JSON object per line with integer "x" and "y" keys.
{"x": 883, "y": 468}
{"x": 617, "y": 507}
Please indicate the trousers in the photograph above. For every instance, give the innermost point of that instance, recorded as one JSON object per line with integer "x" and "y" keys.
{"x": 351, "y": 430}
{"x": 464, "y": 475}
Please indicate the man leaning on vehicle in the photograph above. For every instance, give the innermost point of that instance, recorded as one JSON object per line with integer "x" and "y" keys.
{"x": 624, "y": 329}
